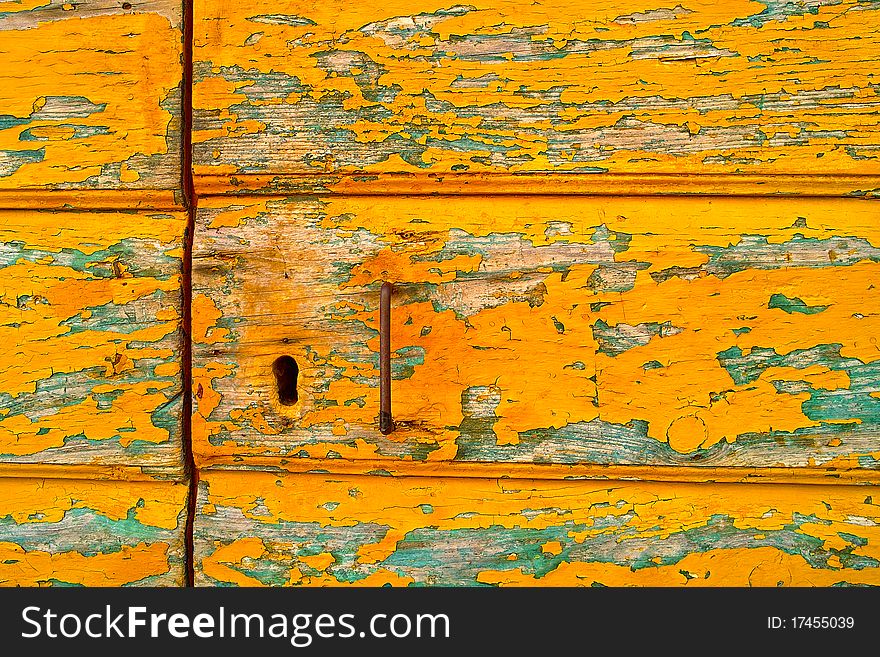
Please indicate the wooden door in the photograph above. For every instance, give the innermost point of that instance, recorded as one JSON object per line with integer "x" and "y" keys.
{"x": 634, "y": 268}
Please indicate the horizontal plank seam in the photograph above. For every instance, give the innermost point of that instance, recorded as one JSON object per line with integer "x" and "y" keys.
{"x": 486, "y": 470}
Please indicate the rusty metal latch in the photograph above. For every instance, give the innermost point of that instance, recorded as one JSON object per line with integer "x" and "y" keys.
{"x": 386, "y": 420}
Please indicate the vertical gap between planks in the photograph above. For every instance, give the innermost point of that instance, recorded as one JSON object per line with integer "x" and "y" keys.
{"x": 190, "y": 200}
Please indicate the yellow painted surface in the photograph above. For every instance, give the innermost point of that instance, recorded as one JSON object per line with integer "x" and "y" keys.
{"x": 91, "y": 533}
{"x": 90, "y": 96}
{"x": 697, "y": 333}
{"x": 707, "y": 339}
{"x": 91, "y": 299}
{"x": 90, "y": 313}
{"x": 576, "y": 184}
{"x": 264, "y": 529}
{"x": 293, "y": 88}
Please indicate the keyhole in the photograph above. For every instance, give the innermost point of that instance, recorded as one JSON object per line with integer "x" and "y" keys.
{"x": 286, "y": 372}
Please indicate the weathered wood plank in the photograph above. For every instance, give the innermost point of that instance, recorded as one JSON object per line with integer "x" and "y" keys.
{"x": 90, "y": 96}
{"x": 576, "y": 184}
{"x": 579, "y": 331}
{"x": 314, "y": 530}
{"x": 90, "y": 318}
{"x": 286, "y": 88}
{"x": 90, "y": 533}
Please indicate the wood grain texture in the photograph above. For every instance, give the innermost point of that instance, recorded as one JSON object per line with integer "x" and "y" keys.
{"x": 694, "y": 333}
{"x": 90, "y": 318}
{"x": 88, "y": 533}
{"x": 573, "y": 184}
{"x": 262, "y": 529}
{"x": 90, "y": 96}
{"x": 286, "y": 88}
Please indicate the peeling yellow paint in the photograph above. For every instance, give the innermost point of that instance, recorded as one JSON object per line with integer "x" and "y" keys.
{"x": 319, "y": 561}
{"x": 216, "y": 567}
{"x": 140, "y": 538}
{"x": 90, "y": 311}
{"x": 562, "y": 86}
{"x": 128, "y": 565}
{"x": 104, "y": 113}
{"x": 603, "y": 533}
{"x": 497, "y": 306}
